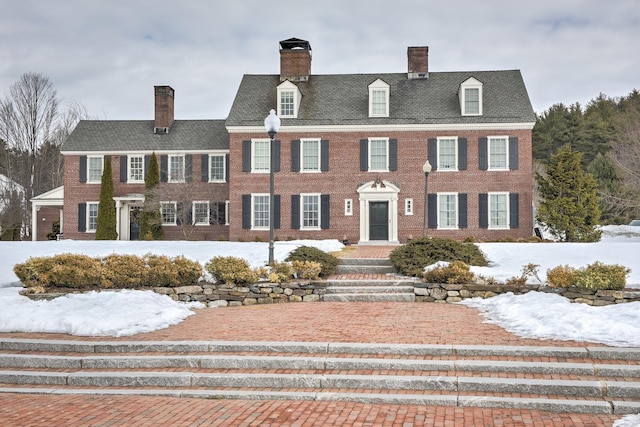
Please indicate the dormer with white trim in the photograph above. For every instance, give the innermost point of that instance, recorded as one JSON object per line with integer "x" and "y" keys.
{"x": 470, "y": 95}
{"x": 379, "y": 99}
{"x": 289, "y": 98}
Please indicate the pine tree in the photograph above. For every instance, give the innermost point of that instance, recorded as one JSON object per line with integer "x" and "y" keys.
{"x": 150, "y": 218}
{"x": 569, "y": 206}
{"x": 106, "y": 226}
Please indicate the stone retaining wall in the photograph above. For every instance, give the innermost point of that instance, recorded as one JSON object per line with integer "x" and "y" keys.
{"x": 441, "y": 293}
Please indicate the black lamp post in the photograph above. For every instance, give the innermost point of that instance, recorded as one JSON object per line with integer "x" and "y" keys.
{"x": 272, "y": 125}
{"x": 426, "y": 168}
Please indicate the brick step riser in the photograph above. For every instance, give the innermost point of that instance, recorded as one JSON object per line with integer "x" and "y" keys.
{"x": 315, "y": 363}
{"x": 317, "y": 383}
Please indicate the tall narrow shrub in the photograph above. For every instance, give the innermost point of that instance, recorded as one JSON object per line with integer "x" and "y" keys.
{"x": 151, "y": 218}
{"x": 106, "y": 227}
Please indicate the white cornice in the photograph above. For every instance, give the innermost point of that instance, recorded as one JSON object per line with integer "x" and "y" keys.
{"x": 388, "y": 128}
{"x": 140, "y": 152}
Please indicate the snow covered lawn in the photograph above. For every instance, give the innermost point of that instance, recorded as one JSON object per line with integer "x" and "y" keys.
{"x": 119, "y": 313}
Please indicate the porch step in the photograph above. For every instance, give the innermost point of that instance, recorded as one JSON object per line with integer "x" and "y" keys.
{"x": 370, "y": 297}
{"x": 365, "y": 266}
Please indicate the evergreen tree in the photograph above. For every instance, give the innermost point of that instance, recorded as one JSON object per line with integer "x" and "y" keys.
{"x": 151, "y": 218}
{"x": 569, "y": 201}
{"x": 106, "y": 227}
{"x": 604, "y": 172}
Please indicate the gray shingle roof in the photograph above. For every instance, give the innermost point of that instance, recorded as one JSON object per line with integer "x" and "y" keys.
{"x": 343, "y": 99}
{"x": 137, "y": 135}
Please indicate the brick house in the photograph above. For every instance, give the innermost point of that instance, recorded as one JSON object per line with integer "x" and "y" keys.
{"x": 348, "y": 158}
{"x": 192, "y": 157}
{"x": 350, "y": 151}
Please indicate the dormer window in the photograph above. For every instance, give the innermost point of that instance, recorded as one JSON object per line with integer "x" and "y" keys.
{"x": 288, "y": 100}
{"x": 379, "y": 99}
{"x": 470, "y": 95}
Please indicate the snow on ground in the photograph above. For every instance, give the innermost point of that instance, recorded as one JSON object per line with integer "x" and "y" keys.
{"x": 628, "y": 421}
{"x": 119, "y": 313}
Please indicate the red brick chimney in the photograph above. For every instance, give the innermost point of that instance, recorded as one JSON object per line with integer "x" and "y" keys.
{"x": 295, "y": 60}
{"x": 164, "y": 97}
{"x": 418, "y": 58}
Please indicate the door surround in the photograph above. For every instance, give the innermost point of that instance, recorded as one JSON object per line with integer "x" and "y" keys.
{"x": 378, "y": 191}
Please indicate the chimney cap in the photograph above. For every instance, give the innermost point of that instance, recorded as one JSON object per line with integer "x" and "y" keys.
{"x": 295, "y": 43}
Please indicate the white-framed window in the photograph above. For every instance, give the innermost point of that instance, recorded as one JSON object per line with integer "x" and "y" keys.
{"x": 168, "y": 211}
{"x": 310, "y": 154}
{"x": 498, "y": 210}
{"x": 260, "y": 211}
{"x": 470, "y": 93}
{"x": 217, "y": 165}
{"x": 408, "y": 206}
{"x": 95, "y": 165}
{"x": 447, "y": 210}
{"x": 260, "y": 155}
{"x": 378, "y": 155}
{"x": 200, "y": 213}
{"x": 288, "y": 100}
{"x": 135, "y": 166}
{"x": 92, "y": 217}
{"x": 348, "y": 207}
{"x": 498, "y": 152}
{"x": 310, "y": 211}
{"x": 379, "y": 99}
{"x": 447, "y": 153}
{"x": 176, "y": 168}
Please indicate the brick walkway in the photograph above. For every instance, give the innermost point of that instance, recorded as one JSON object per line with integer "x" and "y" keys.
{"x": 336, "y": 322}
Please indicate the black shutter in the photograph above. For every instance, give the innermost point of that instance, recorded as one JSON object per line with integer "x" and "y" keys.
{"x": 483, "y": 154}
{"x": 123, "y": 168}
{"x": 295, "y": 155}
{"x": 514, "y": 210}
{"x": 179, "y": 214}
{"x": 364, "y": 155}
{"x": 432, "y": 217}
{"x": 324, "y": 155}
{"x": 393, "y": 154}
{"x": 276, "y": 211}
{"x": 246, "y": 156}
{"x": 462, "y": 210}
{"x": 276, "y": 155}
{"x": 246, "y": 211}
{"x": 164, "y": 168}
{"x": 83, "y": 169}
{"x": 483, "y": 209}
{"x": 462, "y": 154}
{"x": 325, "y": 214}
{"x": 295, "y": 211}
{"x": 222, "y": 213}
{"x": 188, "y": 167}
{"x": 226, "y": 167}
{"x": 432, "y": 153}
{"x": 213, "y": 213}
{"x": 204, "y": 167}
{"x": 82, "y": 216}
{"x": 513, "y": 153}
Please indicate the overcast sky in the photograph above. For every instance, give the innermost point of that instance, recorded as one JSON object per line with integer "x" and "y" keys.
{"x": 108, "y": 55}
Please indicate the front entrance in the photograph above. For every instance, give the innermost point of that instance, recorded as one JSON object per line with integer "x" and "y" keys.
{"x": 134, "y": 222}
{"x": 378, "y": 220}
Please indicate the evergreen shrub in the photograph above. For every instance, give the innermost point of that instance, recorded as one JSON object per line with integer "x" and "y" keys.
{"x": 231, "y": 269}
{"x": 309, "y": 253}
{"x": 63, "y": 270}
{"x": 456, "y": 272}
{"x": 124, "y": 271}
{"x": 307, "y": 270}
{"x": 411, "y": 258}
{"x": 562, "y": 276}
{"x": 601, "y": 276}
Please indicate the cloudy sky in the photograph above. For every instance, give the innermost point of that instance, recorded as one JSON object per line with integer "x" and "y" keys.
{"x": 108, "y": 55}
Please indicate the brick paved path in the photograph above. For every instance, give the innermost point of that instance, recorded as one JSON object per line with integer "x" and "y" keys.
{"x": 336, "y": 322}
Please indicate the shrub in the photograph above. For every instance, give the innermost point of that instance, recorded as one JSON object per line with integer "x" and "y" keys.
{"x": 309, "y": 253}
{"x": 410, "y": 259}
{"x": 188, "y": 271}
{"x": 161, "y": 271}
{"x": 280, "y": 272}
{"x": 64, "y": 270}
{"x": 453, "y": 273}
{"x": 231, "y": 269}
{"x": 124, "y": 271}
{"x": 600, "y": 276}
{"x": 562, "y": 276}
{"x": 307, "y": 270}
